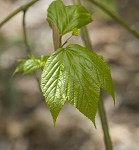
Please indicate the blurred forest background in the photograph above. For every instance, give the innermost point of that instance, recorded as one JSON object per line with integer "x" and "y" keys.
{"x": 25, "y": 122}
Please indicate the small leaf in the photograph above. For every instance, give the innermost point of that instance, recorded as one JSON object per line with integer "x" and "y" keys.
{"x": 30, "y": 65}
{"x": 75, "y": 32}
{"x": 75, "y": 74}
{"x": 66, "y": 18}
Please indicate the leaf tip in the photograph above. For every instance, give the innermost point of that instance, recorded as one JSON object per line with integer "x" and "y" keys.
{"x": 54, "y": 120}
{"x": 113, "y": 97}
{"x": 114, "y": 100}
{"x": 54, "y": 123}
{"x": 16, "y": 71}
{"x": 54, "y": 117}
{"x": 13, "y": 74}
{"x": 94, "y": 122}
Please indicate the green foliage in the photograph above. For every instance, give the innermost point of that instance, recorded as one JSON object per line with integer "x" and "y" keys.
{"x": 75, "y": 74}
{"x": 66, "y": 18}
{"x": 75, "y": 32}
{"x": 30, "y": 65}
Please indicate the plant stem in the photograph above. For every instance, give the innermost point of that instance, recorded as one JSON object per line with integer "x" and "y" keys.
{"x": 124, "y": 23}
{"x": 102, "y": 112}
{"x": 66, "y": 41}
{"x": 25, "y": 33}
{"x": 86, "y": 38}
{"x": 28, "y": 49}
{"x": 57, "y": 39}
{"x": 60, "y": 41}
{"x": 104, "y": 123}
{"x": 22, "y": 8}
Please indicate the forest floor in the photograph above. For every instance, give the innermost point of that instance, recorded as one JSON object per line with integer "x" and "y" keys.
{"x": 25, "y": 122}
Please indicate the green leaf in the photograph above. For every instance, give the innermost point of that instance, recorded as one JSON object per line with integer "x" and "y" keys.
{"x": 66, "y": 18}
{"x": 75, "y": 32}
{"x": 75, "y": 74}
{"x": 30, "y": 65}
